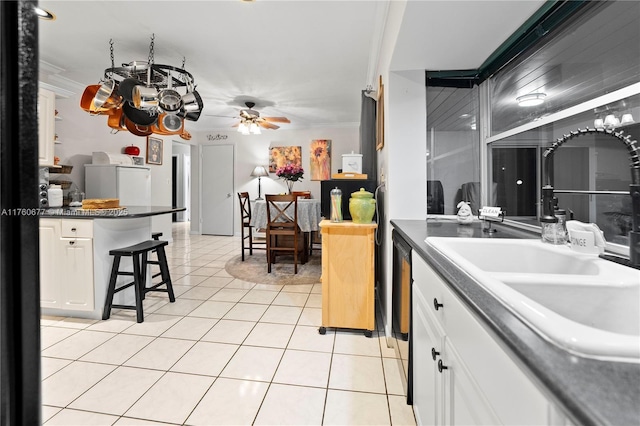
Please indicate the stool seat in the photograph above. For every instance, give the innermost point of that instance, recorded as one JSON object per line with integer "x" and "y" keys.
{"x": 156, "y": 235}
{"x": 139, "y": 248}
{"x": 139, "y": 254}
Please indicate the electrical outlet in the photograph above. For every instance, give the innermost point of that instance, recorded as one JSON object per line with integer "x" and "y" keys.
{"x": 382, "y": 177}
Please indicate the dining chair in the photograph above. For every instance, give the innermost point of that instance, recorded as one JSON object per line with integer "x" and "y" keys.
{"x": 283, "y": 234}
{"x": 308, "y": 236}
{"x": 245, "y": 226}
{"x": 302, "y": 194}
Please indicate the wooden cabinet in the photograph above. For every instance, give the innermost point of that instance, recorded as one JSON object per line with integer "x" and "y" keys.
{"x": 348, "y": 273}
{"x": 461, "y": 375}
{"x": 66, "y": 264}
{"x": 46, "y": 126}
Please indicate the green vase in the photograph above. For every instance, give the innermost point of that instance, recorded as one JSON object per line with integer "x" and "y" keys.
{"x": 362, "y": 206}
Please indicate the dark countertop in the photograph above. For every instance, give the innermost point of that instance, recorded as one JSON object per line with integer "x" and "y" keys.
{"x": 125, "y": 213}
{"x": 590, "y": 391}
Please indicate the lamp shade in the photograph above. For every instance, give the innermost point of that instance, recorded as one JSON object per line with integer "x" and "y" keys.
{"x": 259, "y": 171}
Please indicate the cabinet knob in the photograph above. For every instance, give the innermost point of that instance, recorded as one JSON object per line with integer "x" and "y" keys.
{"x": 73, "y": 229}
{"x": 71, "y": 243}
{"x": 436, "y": 304}
{"x": 434, "y": 353}
{"x": 441, "y": 366}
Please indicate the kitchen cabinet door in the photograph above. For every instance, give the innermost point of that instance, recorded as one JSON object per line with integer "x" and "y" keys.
{"x": 464, "y": 402}
{"x": 46, "y": 126}
{"x": 428, "y": 340}
{"x": 50, "y": 291}
{"x": 77, "y": 264}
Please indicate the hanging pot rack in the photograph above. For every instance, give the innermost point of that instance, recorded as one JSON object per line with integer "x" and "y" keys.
{"x": 154, "y": 80}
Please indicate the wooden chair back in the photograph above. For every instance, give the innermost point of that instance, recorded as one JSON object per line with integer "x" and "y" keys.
{"x": 245, "y": 208}
{"x": 302, "y": 194}
{"x": 277, "y": 214}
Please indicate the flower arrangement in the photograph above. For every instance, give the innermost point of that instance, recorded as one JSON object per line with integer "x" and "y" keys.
{"x": 290, "y": 174}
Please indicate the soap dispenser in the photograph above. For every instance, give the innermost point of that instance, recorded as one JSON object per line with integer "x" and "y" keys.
{"x": 556, "y": 233}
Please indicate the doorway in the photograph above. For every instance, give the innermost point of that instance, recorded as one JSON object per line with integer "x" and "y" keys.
{"x": 217, "y": 189}
{"x": 181, "y": 181}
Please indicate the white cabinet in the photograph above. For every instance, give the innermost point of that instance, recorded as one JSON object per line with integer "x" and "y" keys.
{"x": 66, "y": 264}
{"x": 461, "y": 375}
{"x": 46, "y": 126}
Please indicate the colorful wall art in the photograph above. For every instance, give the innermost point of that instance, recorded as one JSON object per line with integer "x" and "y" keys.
{"x": 320, "y": 159}
{"x": 280, "y": 156}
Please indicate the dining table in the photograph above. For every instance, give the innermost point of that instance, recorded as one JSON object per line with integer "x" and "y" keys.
{"x": 309, "y": 215}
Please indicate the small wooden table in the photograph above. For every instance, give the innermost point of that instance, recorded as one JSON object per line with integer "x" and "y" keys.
{"x": 348, "y": 272}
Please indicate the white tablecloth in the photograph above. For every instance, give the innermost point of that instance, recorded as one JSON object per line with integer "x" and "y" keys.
{"x": 309, "y": 215}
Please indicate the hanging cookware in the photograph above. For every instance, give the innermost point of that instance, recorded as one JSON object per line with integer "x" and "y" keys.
{"x": 125, "y": 88}
{"x": 146, "y": 97}
{"x": 116, "y": 120}
{"x": 137, "y": 129}
{"x": 107, "y": 95}
{"x": 139, "y": 116}
{"x": 86, "y": 101}
{"x": 192, "y": 102}
{"x": 169, "y": 100}
{"x": 168, "y": 124}
{"x": 185, "y": 135}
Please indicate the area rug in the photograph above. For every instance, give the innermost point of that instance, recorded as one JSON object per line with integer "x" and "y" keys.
{"x": 254, "y": 269}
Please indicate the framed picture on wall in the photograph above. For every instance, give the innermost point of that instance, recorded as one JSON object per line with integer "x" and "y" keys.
{"x": 154, "y": 151}
{"x": 380, "y": 117}
{"x": 320, "y": 159}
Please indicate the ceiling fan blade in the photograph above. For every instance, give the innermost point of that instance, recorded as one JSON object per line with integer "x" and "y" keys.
{"x": 276, "y": 119}
{"x": 266, "y": 125}
{"x": 221, "y": 116}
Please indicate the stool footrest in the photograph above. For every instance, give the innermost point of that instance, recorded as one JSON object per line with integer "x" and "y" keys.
{"x": 132, "y": 307}
{"x": 124, "y": 286}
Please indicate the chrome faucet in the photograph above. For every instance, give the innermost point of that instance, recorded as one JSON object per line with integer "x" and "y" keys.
{"x": 549, "y": 201}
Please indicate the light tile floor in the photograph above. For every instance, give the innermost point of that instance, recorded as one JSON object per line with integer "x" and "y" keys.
{"x": 226, "y": 352}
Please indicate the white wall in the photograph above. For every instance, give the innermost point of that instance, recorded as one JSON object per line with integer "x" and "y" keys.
{"x": 253, "y": 150}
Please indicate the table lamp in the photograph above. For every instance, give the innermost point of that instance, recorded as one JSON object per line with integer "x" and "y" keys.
{"x": 259, "y": 171}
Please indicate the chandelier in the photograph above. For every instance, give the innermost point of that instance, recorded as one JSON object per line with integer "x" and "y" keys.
{"x": 144, "y": 97}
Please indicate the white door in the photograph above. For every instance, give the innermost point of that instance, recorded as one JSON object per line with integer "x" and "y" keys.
{"x": 217, "y": 189}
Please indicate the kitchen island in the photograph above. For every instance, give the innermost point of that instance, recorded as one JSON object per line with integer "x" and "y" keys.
{"x": 74, "y": 255}
{"x": 577, "y": 389}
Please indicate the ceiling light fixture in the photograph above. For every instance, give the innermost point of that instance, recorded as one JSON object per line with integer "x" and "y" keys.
{"x": 140, "y": 97}
{"x": 532, "y": 99}
{"x": 44, "y": 14}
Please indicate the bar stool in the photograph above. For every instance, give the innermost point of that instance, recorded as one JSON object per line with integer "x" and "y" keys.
{"x": 139, "y": 253}
{"x": 156, "y": 236}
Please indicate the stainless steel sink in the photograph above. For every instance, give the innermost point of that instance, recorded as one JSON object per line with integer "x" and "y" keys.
{"x": 579, "y": 302}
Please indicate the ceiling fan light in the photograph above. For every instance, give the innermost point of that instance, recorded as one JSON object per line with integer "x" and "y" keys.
{"x": 532, "y": 99}
{"x": 598, "y": 123}
{"x": 610, "y": 120}
{"x": 626, "y": 119}
{"x": 253, "y": 128}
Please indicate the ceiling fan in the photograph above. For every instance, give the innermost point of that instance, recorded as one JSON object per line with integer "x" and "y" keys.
{"x": 251, "y": 119}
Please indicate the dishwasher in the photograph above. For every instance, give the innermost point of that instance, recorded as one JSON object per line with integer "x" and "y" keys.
{"x": 401, "y": 301}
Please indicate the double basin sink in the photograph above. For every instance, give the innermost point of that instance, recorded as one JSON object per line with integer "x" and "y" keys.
{"x": 580, "y": 302}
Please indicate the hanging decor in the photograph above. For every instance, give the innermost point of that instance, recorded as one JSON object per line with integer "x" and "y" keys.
{"x": 280, "y": 156}
{"x": 320, "y": 159}
{"x": 145, "y": 98}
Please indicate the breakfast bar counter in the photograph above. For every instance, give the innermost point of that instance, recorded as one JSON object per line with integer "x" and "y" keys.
{"x": 74, "y": 255}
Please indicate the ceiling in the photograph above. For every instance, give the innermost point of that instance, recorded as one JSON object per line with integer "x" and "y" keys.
{"x": 307, "y": 60}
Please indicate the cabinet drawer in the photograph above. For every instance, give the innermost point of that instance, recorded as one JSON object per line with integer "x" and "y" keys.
{"x": 77, "y": 228}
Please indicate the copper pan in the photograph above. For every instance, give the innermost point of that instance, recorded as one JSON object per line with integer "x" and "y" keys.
{"x": 137, "y": 129}
{"x": 159, "y": 127}
{"x": 185, "y": 135}
{"x": 116, "y": 120}
{"x": 107, "y": 96}
{"x": 86, "y": 101}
